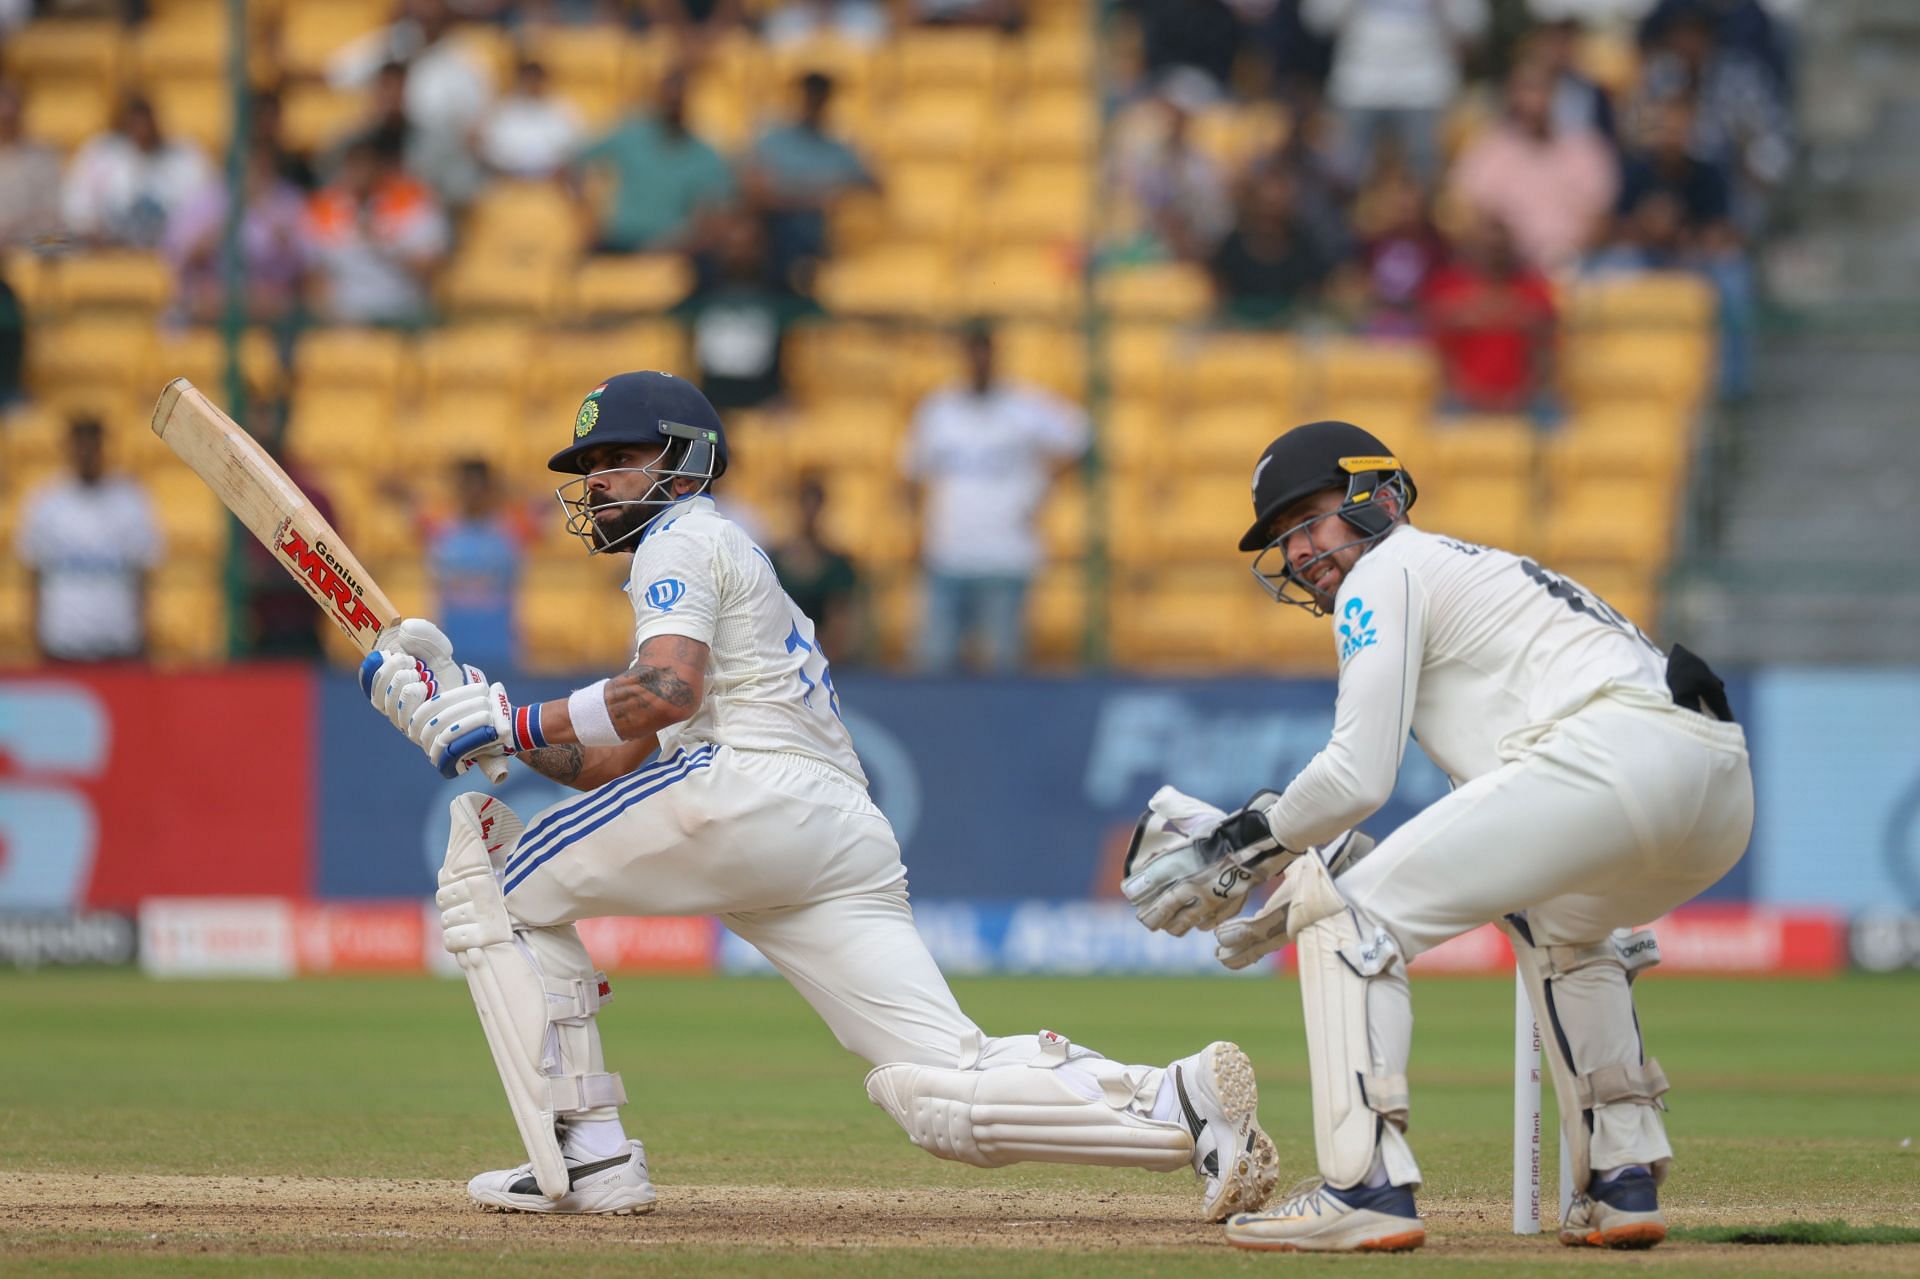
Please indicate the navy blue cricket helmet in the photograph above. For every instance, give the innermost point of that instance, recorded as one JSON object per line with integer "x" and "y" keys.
{"x": 650, "y": 409}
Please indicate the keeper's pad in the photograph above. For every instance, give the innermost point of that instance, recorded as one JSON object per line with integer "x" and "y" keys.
{"x": 535, "y": 989}
{"x": 1608, "y": 1091}
{"x": 1359, "y": 1023}
{"x": 1008, "y": 1114}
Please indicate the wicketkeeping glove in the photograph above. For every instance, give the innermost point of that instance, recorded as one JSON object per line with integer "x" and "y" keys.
{"x": 1239, "y": 942}
{"x": 1191, "y": 865}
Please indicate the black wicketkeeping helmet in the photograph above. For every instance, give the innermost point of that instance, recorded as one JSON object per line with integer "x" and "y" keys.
{"x": 1312, "y": 459}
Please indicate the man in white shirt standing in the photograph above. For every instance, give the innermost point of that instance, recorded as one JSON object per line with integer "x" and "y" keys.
{"x": 980, "y": 461}
{"x": 90, "y": 541}
{"x": 1598, "y": 783}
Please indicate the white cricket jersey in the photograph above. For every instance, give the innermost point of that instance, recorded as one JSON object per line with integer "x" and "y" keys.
{"x": 695, "y": 573}
{"x": 1465, "y": 646}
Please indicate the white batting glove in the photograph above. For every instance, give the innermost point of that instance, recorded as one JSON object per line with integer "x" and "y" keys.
{"x": 414, "y": 663}
{"x": 1191, "y": 865}
{"x": 1240, "y": 942}
{"x": 470, "y": 722}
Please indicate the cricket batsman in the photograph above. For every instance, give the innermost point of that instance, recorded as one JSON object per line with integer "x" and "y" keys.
{"x": 1598, "y": 783}
{"x": 719, "y": 779}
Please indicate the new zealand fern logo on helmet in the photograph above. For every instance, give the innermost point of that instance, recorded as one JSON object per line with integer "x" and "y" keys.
{"x": 589, "y": 415}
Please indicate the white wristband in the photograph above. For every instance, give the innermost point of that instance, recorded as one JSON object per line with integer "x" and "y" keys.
{"x": 592, "y": 725}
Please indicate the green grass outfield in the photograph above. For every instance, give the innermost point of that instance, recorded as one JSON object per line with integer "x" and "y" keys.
{"x": 1791, "y": 1100}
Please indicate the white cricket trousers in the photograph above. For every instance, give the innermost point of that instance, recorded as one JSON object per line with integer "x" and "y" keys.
{"x": 1608, "y": 818}
{"x": 792, "y": 855}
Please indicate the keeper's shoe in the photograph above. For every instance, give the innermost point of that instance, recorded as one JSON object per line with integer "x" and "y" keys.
{"x": 1318, "y": 1218}
{"x": 1621, "y": 1213}
{"x": 1220, "y": 1102}
{"x": 616, "y": 1186}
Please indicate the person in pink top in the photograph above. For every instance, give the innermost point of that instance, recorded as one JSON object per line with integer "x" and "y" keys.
{"x": 1552, "y": 188}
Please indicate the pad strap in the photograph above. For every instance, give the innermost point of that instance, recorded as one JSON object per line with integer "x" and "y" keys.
{"x": 1641, "y": 1085}
{"x": 578, "y": 999}
{"x": 572, "y": 1093}
{"x": 1386, "y": 1096}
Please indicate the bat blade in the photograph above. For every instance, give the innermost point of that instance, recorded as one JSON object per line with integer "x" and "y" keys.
{"x": 253, "y": 486}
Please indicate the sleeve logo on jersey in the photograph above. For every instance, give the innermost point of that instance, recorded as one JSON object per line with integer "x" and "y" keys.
{"x": 665, "y": 593}
{"x": 1356, "y": 628}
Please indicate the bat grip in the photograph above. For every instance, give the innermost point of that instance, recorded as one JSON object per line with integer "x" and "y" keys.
{"x": 450, "y": 673}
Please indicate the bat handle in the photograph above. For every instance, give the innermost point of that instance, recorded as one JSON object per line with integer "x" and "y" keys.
{"x": 495, "y": 767}
{"x": 450, "y": 673}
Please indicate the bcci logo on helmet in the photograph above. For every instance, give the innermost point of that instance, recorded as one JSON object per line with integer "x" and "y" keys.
{"x": 665, "y": 593}
{"x": 589, "y": 415}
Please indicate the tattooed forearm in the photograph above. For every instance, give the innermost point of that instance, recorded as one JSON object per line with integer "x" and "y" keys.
{"x": 663, "y": 686}
{"x": 561, "y": 763}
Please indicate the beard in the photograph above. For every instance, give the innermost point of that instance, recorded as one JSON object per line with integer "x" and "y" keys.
{"x": 619, "y": 526}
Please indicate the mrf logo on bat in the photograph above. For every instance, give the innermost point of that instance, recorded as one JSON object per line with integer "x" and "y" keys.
{"x": 332, "y": 582}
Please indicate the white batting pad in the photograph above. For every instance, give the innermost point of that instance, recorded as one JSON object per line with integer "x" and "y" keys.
{"x": 1007, "y": 1114}
{"x": 1609, "y": 1094}
{"x": 535, "y": 989}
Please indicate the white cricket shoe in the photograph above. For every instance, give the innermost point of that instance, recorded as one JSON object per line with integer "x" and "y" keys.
{"x": 1235, "y": 1161}
{"x": 617, "y": 1186}
{"x": 1318, "y": 1218}
{"x": 1621, "y": 1213}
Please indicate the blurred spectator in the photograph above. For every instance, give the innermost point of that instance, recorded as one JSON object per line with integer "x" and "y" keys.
{"x": 663, "y": 177}
{"x": 1396, "y": 67}
{"x": 1578, "y": 103}
{"x": 739, "y": 316}
{"x": 1493, "y": 323}
{"x": 1674, "y": 214}
{"x": 122, "y": 185}
{"x": 1269, "y": 264}
{"x": 857, "y": 22}
{"x": 89, "y": 541}
{"x": 272, "y": 249}
{"x": 1008, "y": 15}
{"x": 277, "y": 618}
{"x": 443, "y": 158}
{"x": 13, "y": 345}
{"x": 1398, "y": 253}
{"x": 1741, "y": 118}
{"x": 695, "y": 24}
{"x": 1742, "y": 27}
{"x": 979, "y": 461}
{"x": 475, "y": 558}
{"x": 529, "y": 133}
{"x": 1296, "y": 59}
{"x": 266, "y": 127}
{"x": 374, "y": 236}
{"x": 1552, "y": 189}
{"x": 29, "y": 178}
{"x": 1181, "y": 194}
{"x": 797, "y": 170}
{"x": 445, "y": 87}
{"x": 1188, "y": 44}
{"x": 823, "y": 582}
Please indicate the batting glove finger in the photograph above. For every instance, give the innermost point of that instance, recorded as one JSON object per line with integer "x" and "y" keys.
{"x": 396, "y": 683}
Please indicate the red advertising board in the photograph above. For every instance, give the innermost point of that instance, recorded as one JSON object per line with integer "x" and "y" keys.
{"x": 122, "y": 784}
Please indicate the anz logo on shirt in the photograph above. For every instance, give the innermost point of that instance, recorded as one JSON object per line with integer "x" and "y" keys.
{"x": 1356, "y": 628}
{"x": 665, "y": 593}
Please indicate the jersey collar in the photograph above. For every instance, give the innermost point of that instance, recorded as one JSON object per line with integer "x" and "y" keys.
{"x": 673, "y": 511}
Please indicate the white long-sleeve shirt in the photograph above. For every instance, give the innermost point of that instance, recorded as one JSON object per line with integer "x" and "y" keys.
{"x": 1467, "y": 647}
{"x": 1395, "y": 53}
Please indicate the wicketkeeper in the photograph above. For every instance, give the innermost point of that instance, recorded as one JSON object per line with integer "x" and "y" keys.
{"x": 1598, "y": 783}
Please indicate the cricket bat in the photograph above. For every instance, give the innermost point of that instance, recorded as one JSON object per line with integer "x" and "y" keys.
{"x": 252, "y": 486}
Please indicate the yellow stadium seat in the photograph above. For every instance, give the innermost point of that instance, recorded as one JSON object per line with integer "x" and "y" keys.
{"x": 32, "y": 437}
{"x": 850, "y": 65}
{"x": 312, "y": 32}
{"x": 720, "y": 113}
{"x": 192, "y": 520}
{"x": 1056, "y": 60}
{"x": 476, "y": 284}
{"x": 1658, "y": 302}
{"x": 1065, "y": 520}
{"x": 969, "y": 59}
{"x": 1236, "y": 135}
{"x": 201, "y": 111}
{"x": 464, "y": 424}
{"x": 488, "y": 358}
{"x": 1610, "y": 59}
{"x": 1607, "y": 366}
{"x": 104, "y": 355}
{"x": 857, "y": 434}
{"x": 1371, "y": 372}
{"x": 1650, "y": 448}
{"x": 118, "y": 280}
{"x": 1224, "y": 439}
{"x": 1060, "y": 126}
{"x": 1168, "y": 291}
{"x": 1485, "y": 447}
{"x": 1044, "y": 355}
{"x": 314, "y": 117}
{"x": 935, "y": 124}
{"x": 1494, "y": 510}
{"x": 71, "y": 49}
{"x": 838, "y": 356}
{"x": 1199, "y": 519}
{"x": 1057, "y": 615}
{"x": 570, "y": 364}
{"x": 1039, "y": 204}
{"x": 187, "y": 617}
{"x": 341, "y": 426}
{"x": 1136, "y": 439}
{"x": 363, "y": 360}
{"x": 65, "y": 113}
{"x": 1139, "y": 359}
{"x": 1178, "y": 619}
{"x": 611, "y": 285}
{"x": 929, "y": 203}
{"x": 1240, "y": 367}
{"x": 16, "y": 613}
{"x": 1024, "y": 280}
{"x": 906, "y": 281}
{"x": 200, "y": 356}
{"x": 524, "y": 220}
{"x": 1613, "y": 522}
{"x": 188, "y": 45}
